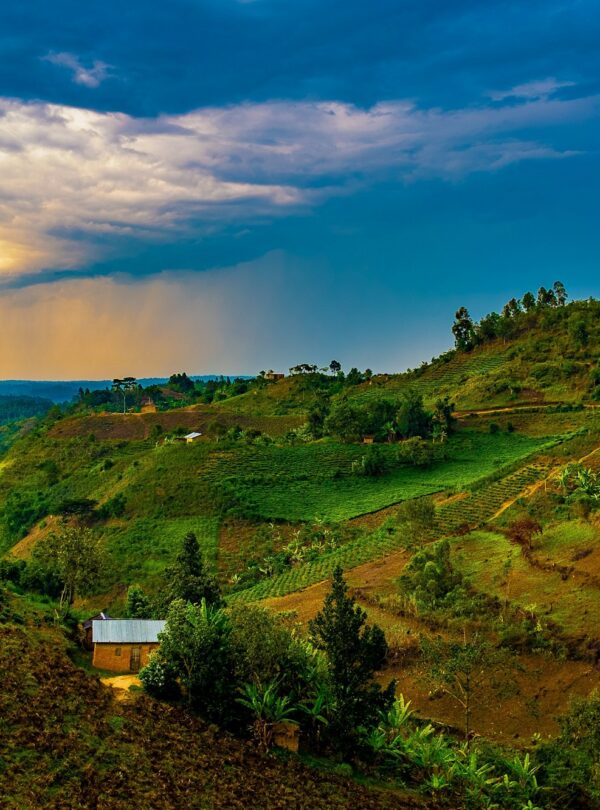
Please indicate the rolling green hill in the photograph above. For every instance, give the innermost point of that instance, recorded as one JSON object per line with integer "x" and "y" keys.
{"x": 510, "y": 487}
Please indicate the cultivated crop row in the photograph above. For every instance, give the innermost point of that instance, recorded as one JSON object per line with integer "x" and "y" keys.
{"x": 472, "y": 511}
{"x": 480, "y": 506}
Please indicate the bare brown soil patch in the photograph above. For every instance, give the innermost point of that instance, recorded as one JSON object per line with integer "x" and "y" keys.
{"x": 138, "y": 426}
{"x": 376, "y": 576}
{"x": 525, "y": 700}
{"x": 23, "y": 549}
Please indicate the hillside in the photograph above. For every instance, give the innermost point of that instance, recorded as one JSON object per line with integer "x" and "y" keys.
{"x": 473, "y": 514}
{"x": 73, "y": 744}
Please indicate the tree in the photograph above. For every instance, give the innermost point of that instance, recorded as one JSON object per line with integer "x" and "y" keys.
{"x": 443, "y": 419}
{"x": 463, "y": 330}
{"x": 261, "y": 646}
{"x": 354, "y": 376}
{"x": 416, "y": 451}
{"x": 412, "y": 419}
{"x": 579, "y": 333}
{"x": 123, "y": 386}
{"x": 528, "y": 301}
{"x": 181, "y": 382}
{"x": 514, "y": 307}
{"x": 560, "y": 292}
{"x": 195, "y": 644}
{"x": 546, "y": 298}
{"x": 430, "y": 576}
{"x": 372, "y": 464}
{"x": 418, "y": 515}
{"x": 354, "y": 651}
{"x": 138, "y": 605}
{"x": 188, "y": 578}
{"x": 335, "y": 367}
{"x": 346, "y": 421}
{"x": 74, "y": 554}
{"x": 317, "y": 415}
{"x": 461, "y": 669}
{"x": 487, "y": 328}
{"x": 523, "y": 530}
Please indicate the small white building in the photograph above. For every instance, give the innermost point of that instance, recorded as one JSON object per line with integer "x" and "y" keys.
{"x": 192, "y": 437}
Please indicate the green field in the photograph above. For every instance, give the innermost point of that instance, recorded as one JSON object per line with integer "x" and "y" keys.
{"x": 314, "y": 481}
{"x": 571, "y": 603}
{"x": 140, "y": 549}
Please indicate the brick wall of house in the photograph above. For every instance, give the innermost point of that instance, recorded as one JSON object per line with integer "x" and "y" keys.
{"x": 117, "y": 657}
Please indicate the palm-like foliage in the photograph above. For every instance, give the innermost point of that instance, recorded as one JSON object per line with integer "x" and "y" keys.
{"x": 268, "y": 709}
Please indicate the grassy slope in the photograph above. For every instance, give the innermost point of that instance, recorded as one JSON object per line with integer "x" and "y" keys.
{"x": 171, "y": 489}
{"x": 572, "y": 602}
{"x": 544, "y": 361}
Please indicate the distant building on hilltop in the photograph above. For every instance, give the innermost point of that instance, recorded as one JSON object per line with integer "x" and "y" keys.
{"x": 148, "y": 405}
{"x": 274, "y": 375}
{"x": 124, "y": 645}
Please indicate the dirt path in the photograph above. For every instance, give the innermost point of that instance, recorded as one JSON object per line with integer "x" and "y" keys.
{"x": 515, "y": 409}
{"x": 533, "y": 488}
{"x": 121, "y": 685}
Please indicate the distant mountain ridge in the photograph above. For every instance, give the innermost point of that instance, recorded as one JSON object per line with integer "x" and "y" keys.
{"x": 65, "y": 390}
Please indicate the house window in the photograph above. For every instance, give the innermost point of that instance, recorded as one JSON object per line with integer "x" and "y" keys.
{"x": 117, "y": 651}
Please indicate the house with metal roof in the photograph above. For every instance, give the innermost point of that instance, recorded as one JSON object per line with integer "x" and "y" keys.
{"x": 124, "y": 645}
{"x": 192, "y": 437}
{"x": 87, "y": 625}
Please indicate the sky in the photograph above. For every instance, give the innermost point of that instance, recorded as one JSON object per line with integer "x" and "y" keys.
{"x": 235, "y": 185}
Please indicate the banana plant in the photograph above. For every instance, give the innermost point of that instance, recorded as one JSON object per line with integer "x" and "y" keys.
{"x": 268, "y": 708}
{"x": 589, "y": 482}
{"x": 521, "y": 777}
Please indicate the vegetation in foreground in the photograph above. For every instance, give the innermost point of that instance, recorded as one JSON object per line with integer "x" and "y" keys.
{"x": 477, "y": 534}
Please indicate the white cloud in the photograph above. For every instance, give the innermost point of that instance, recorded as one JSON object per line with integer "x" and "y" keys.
{"x": 89, "y": 77}
{"x": 540, "y": 88}
{"x": 65, "y": 170}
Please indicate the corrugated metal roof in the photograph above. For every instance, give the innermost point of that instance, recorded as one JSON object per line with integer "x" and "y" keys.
{"x": 193, "y": 435}
{"x": 127, "y": 631}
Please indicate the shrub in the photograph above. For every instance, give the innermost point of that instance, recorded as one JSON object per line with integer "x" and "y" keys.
{"x": 430, "y": 577}
{"x": 372, "y": 464}
{"x": 158, "y": 678}
{"x": 416, "y": 451}
{"x": 114, "y": 507}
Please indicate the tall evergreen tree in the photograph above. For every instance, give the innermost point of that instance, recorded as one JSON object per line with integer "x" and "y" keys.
{"x": 355, "y": 651}
{"x": 189, "y": 579}
{"x": 560, "y": 292}
{"x": 138, "y": 605}
{"x": 528, "y": 301}
{"x": 463, "y": 330}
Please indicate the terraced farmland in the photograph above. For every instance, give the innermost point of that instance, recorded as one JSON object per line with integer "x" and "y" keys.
{"x": 473, "y": 511}
{"x": 443, "y": 375}
{"x": 478, "y": 507}
{"x": 349, "y": 556}
{"x": 315, "y": 481}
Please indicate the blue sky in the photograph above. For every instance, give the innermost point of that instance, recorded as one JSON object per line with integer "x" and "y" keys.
{"x": 228, "y": 186}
